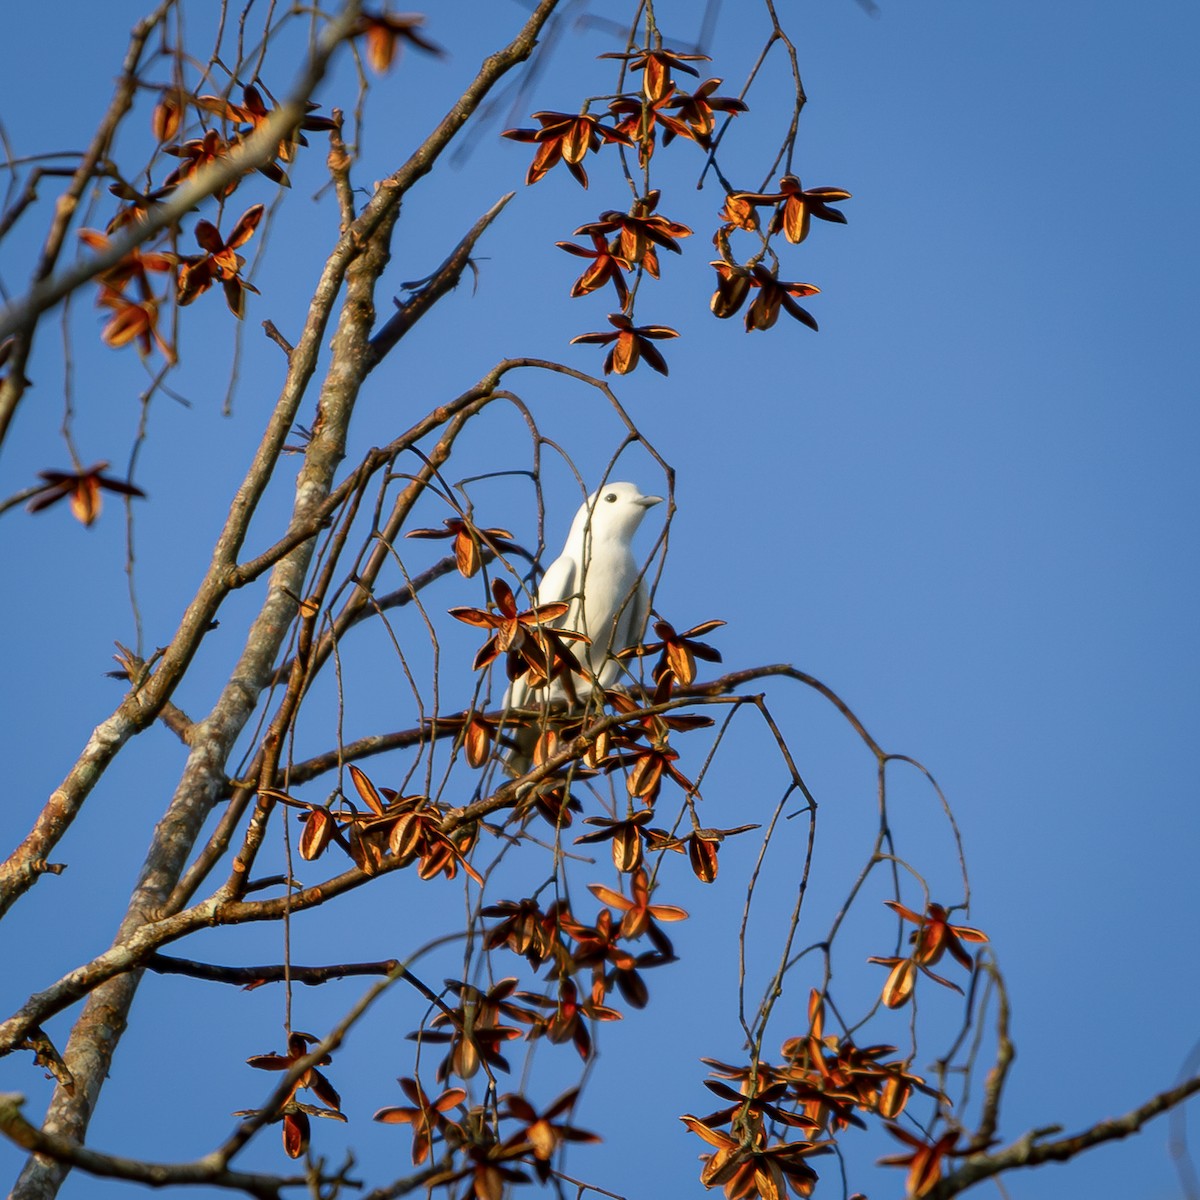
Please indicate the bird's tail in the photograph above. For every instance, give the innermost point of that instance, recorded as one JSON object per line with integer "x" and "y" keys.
{"x": 533, "y": 734}
{"x": 519, "y": 759}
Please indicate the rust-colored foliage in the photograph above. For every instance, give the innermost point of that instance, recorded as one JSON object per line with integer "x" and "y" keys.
{"x": 648, "y": 764}
{"x": 608, "y": 266}
{"x": 698, "y": 109}
{"x": 220, "y": 262}
{"x": 135, "y": 267}
{"x": 469, "y": 540}
{"x": 526, "y": 637}
{"x": 541, "y": 1134}
{"x": 320, "y": 825}
{"x": 639, "y": 914}
{"x": 567, "y": 138}
{"x": 394, "y": 828}
{"x": 569, "y": 1018}
{"x": 654, "y": 726}
{"x": 597, "y": 948}
{"x": 384, "y": 33}
{"x": 525, "y": 929}
{"x": 924, "y": 1160}
{"x": 738, "y": 213}
{"x": 795, "y": 206}
{"x": 763, "y": 1092}
{"x": 479, "y": 733}
{"x": 624, "y": 242}
{"x": 701, "y": 847}
{"x": 734, "y": 284}
{"x": 630, "y": 344}
{"x": 251, "y": 114}
{"x": 638, "y": 232}
{"x": 427, "y": 1117}
{"x": 639, "y": 120}
{"x": 473, "y": 1030}
{"x": 626, "y": 837}
{"x": 296, "y": 1125}
{"x": 488, "y": 1173}
{"x": 84, "y": 488}
{"x": 933, "y": 936}
{"x": 746, "y": 1163}
{"x": 578, "y": 966}
{"x": 134, "y": 322}
{"x": 656, "y": 65}
{"x": 551, "y": 797}
{"x": 829, "y": 1076}
{"x": 168, "y": 114}
{"x": 196, "y": 154}
{"x": 678, "y": 651}
{"x": 690, "y": 115}
{"x": 823, "y": 1084}
{"x": 137, "y": 205}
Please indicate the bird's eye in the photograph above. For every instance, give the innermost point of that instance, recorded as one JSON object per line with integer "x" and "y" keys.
{"x": 610, "y": 497}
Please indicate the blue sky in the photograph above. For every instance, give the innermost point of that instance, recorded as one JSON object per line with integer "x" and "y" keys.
{"x": 968, "y": 505}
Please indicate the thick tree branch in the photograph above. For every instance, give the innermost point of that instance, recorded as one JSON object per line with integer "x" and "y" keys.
{"x": 94, "y": 1037}
{"x": 361, "y": 254}
{"x": 141, "y": 706}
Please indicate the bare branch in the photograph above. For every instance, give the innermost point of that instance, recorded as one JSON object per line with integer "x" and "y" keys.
{"x": 443, "y": 280}
{"x": 1031, "y": 1152}
{"x": 251, "y": 977}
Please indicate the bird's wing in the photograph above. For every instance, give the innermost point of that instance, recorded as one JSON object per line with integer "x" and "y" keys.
{"x": 639, "y": 610}
{"x": 558, "y": 582}
{"x": 629, "y": 630}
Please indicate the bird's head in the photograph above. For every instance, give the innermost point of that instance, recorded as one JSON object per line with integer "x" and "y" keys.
{"x": 613, "y": 513}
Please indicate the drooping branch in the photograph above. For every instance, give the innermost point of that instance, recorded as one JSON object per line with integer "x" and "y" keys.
{"x": 317, "y": 583}
{"x": 134, "y": 950}
{"x": 997, "y": 1077}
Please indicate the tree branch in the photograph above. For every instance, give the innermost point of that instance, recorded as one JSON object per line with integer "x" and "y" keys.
{"x": 359, "y": 256}
{"x": 210, "y": 1171}
{"x": 252, "y": 977}
{"x": 259, "y": 148}
{"x": 14, "y": 383}
{"x": 443, "y": 280}
{"x": 1029, "y": 1152}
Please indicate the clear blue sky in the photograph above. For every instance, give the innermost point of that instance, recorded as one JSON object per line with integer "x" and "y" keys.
{"x": 969, "y": 505}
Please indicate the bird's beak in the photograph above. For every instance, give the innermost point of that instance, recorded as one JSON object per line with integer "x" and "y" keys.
{"x": 648, "y": 501}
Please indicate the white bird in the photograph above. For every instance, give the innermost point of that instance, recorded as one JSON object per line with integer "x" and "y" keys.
{"x": 598, "y": 575}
